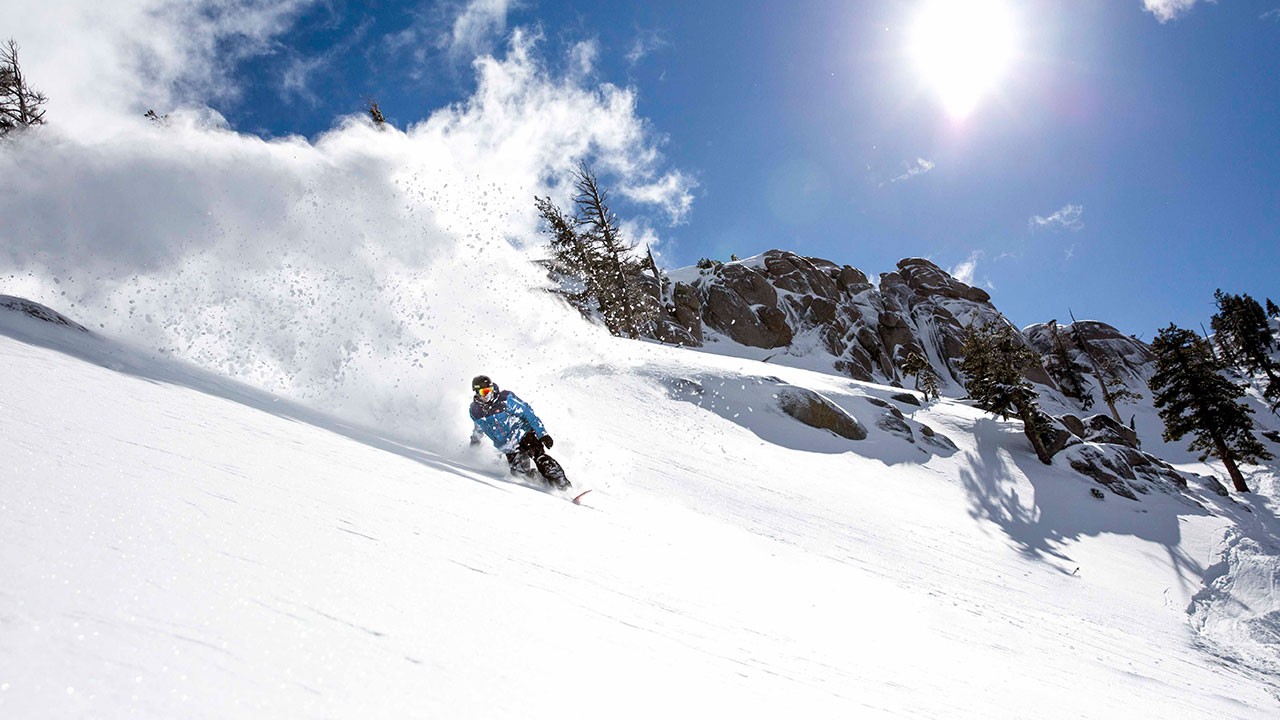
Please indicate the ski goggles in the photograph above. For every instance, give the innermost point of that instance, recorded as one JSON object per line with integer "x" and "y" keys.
{"x": 484, "y": 392}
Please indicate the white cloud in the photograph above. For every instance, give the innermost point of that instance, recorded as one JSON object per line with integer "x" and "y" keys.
{"x": 921, "y": 167}
{"x": 296, "y": 79}
{"x": 303, "y": 70}
{"x": 582, "y": 58}
{"x": 1270, "y": 15}
{"x": 477, "y": 25}
{"x": 1070, "y": 217}
{"x": 673, "y": 192}
{"x": 1166, "y": 10}
{"x": 965, "y": 270}
{"x": 643, "y": 46}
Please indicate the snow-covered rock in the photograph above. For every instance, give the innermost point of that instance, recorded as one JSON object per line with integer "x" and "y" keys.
{"x": 819, "y": 313}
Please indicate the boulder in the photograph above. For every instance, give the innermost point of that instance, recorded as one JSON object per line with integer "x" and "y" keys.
{"x": 816, "y": 411}
{"x": 1057, "y": 437}
{"x": 932, "y": 437}
{"x": 1074, "y": 424}
{"x": 894, "y": 424}
{"x": 1104, "y": 429}
{"x": 1101, "y": 429}
{"x": 748, "y": 284}
{"x": 852, "y": 281}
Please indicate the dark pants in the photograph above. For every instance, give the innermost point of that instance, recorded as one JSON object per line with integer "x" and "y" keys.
{"x": 530, "y": 447}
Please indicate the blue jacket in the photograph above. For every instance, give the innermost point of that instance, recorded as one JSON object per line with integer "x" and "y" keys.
{"x": 505, "y": 420}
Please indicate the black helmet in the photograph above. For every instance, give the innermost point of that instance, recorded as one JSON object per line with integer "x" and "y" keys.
{"x": 482, "y": 382}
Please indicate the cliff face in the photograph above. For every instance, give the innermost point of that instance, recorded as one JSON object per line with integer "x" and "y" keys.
{"x": 809, "y": 306}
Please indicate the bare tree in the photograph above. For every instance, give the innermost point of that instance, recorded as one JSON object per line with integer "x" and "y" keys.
{"x": 21, "y": 105}
{"x": 1107, "y": 371}
{"x": 375, "y": 114}
{"x": 157, "y": 119}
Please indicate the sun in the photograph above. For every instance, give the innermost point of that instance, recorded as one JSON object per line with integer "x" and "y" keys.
{"x": 963, "y": 49}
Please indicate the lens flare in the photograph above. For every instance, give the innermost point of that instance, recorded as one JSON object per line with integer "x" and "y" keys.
{"x": 963, "y": 50}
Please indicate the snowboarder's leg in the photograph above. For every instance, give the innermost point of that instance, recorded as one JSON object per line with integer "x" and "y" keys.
{"x": 550, "y": 470}
{"x": 520, "y": 463}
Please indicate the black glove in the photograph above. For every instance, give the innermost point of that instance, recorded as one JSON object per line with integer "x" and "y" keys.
{"x": 546, "y": 440}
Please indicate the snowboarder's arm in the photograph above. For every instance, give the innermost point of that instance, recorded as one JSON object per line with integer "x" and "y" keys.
{"x": 522, "y": 409}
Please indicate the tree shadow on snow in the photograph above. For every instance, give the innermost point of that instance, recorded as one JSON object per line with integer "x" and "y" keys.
{"x": 1061, "y": 508}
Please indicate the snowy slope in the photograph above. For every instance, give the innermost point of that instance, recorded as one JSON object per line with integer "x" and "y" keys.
{"x": 178, "y": 545}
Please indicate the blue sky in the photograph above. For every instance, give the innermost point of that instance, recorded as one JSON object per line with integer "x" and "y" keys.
{"x": 1118, "y": 159}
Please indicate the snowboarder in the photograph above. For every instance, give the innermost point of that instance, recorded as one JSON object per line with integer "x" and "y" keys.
{"x": 515, "y": 430}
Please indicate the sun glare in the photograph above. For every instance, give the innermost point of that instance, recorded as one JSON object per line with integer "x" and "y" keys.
{"x": 963, "y": 49}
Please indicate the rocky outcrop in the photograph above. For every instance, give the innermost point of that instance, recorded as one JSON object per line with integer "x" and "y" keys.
{"x": 780, "y": 300}
{"x": 745, "y": 307}
{"x": 1101, "y": 429}
{"x": 39, "y": 312}
{"x": 1123, "y": 470}
{"x": 1109, "y": 349}
{"x": 1057, "y": 436}
{"x": 681, "y": 324}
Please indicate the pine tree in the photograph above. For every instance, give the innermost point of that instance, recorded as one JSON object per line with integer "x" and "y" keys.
{"x": 20, "y": 104}
{"x": 912, "y": 365}
{"x": 1244, "y": 334}
{"x": 1272, "y": 310}
{"x": 571, "y": 256}
{"x": 927, "y": 379}
{"x": 994, "y": 359}
{"x": 1194, "y": 397}
{"x": 931, "y": 383}
{"x": 1068, "y": 373}
{"x": 1224, "y": 324}
{"x": 588, "y": 248}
